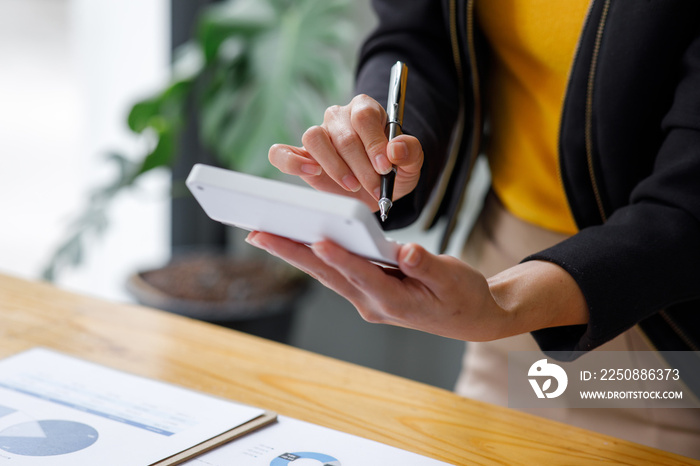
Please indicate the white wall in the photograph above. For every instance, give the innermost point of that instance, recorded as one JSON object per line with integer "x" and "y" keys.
{"x": 68, "y": 71}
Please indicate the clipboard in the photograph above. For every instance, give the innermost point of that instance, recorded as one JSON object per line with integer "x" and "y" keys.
{"x": 263, "y": 420}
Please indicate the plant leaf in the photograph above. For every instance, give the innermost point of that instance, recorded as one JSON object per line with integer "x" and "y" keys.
{"x": 242, "y": 18}
{"x": 286, "y": 77}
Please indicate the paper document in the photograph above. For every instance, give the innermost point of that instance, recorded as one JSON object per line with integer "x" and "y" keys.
{"x": 290, "y": 442}
{"x": 57, "y": 410}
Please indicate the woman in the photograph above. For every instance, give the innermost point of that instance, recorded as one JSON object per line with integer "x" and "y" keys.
{"x": 589, "y": 114}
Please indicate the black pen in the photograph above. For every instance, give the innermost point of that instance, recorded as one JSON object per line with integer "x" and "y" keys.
{"x": 394, "y": 113}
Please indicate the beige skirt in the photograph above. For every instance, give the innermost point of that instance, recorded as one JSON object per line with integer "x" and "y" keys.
{"x": 499, "y": 241}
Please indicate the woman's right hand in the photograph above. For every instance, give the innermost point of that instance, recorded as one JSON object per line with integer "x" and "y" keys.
{"x": 349, "y": 151}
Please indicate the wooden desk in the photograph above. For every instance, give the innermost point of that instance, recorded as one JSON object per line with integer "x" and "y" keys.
{"x": 399, "y": 412}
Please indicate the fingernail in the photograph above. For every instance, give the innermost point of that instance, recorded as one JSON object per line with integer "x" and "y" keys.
{"x": 383, "y": 164}
{"x": 399, "y": 152}
{"x": 253, "y": 240}
{"x": 311, "y": 169}
{"x": 377, "y": 193}
{"x": 351, "y": 183}
{"x": 413, "y": 257}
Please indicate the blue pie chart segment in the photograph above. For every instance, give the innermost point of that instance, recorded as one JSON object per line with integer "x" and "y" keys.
{"x": 288, "y": 459}
{"x": 47, "y": 438}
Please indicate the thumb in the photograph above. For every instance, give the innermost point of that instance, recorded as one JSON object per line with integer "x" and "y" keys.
{"x": 406, "y": 153}
{"x": 417, "y": 263}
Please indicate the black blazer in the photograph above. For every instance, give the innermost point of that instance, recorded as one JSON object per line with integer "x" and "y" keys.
{"x": 629, "y": 152}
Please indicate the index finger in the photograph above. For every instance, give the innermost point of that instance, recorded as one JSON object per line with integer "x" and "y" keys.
{"x": 368, "y": 119}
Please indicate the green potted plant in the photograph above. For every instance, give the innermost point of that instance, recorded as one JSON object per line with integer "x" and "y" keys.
{"x": 256, "y": 73}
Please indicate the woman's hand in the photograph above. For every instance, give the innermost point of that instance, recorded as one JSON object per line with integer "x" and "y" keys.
{"x": 440, "y": 294}
{"x": 437, "y": 294}
{"x": 349, "y": 150}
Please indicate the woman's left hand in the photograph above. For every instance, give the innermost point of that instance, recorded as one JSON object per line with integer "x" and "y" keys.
{"x": 437, "y": 294}
{"x": 440, "y": 294}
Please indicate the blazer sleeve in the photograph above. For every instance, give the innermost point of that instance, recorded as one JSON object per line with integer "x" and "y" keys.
{"x": 414, "y": 32}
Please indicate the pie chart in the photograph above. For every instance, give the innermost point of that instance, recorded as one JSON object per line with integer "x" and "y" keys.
{"x": 47, "y": 437}
{"x": 305, "y": 458}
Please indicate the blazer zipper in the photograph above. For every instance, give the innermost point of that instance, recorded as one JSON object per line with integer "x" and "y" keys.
{"x": 564, "y": 99}
{"x": 588, "y": 121}
{"x": 457, "y": 135}
{"x": 476, "y": 95}
{"x": 589, "y": 111}
{"x": 476, "y": 85}
{"x": 679, "y": 331}
{"x": 456, "y": 142}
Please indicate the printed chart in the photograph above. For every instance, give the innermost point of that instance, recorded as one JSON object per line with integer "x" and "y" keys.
{"x": 70, "y": 412}
{"x": 45, "y": 437}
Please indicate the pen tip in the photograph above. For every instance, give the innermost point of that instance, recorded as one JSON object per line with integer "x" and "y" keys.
{"x": 384, "y": 206}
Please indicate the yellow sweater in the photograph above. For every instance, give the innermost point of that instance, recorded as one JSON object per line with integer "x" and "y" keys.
{"x": 533, "y": 44}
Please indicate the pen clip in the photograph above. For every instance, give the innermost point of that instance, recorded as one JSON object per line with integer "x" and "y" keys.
{"x": 396, "y": 98}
